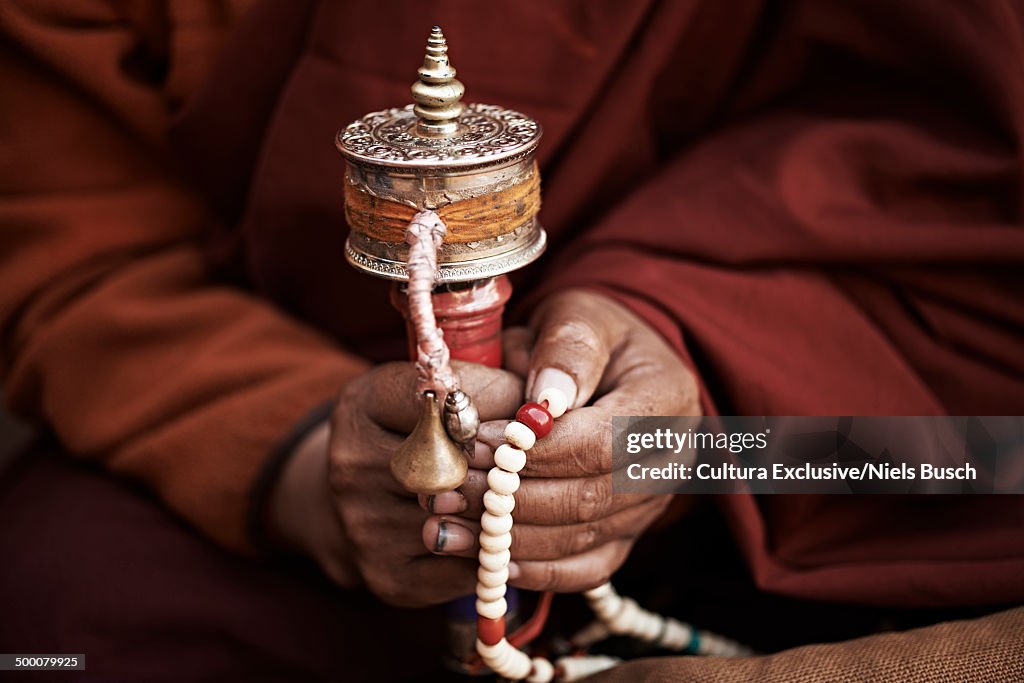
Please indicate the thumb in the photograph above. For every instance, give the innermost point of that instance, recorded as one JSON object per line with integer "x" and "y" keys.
{"x": 575, "y": 339}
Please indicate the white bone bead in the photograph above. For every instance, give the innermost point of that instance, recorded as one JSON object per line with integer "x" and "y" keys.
{"x": 575, "y": 668}
{"x": 717, "y": 646}
{"x": 500, "y": 661}
{"x": 490, "y": 593}
{"x": 677, "y": 635}
{"x": 492, "y": 609}
{"x": 502, "y": 482}
{"x": 599, "y": 592}
{"x": 647, "y": 626}
{"x": 543, "y": 671}
{"x": 510, "y": 458}
{"x": 505, "y": 660}
{"x": 626, "y": 619}
{"x": 491, "y": 651}
{"x": 557, "y": 401}
{"x": 594, "y": 632}
{"x": 520, "y": 436}
{"x": 493, "y": 560}
{"x": 499, "y": 504}
{"x": 496, "y": 543}
{"x": 491, "y": 579}
{"x": 496, "y": 524}
{"x": 519, "y": 666}
{"x": 607, "y": 606}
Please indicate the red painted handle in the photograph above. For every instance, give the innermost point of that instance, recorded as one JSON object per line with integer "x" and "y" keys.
{"x": 470, "y": 317}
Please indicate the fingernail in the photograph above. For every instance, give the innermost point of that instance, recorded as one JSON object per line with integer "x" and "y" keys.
{"x": 492, "y": 432}
{"x": 452, "y": 538}
{"x": 513, "y": 571}
{"x": 553, "y": 378}
{"x": 447, "y": 503}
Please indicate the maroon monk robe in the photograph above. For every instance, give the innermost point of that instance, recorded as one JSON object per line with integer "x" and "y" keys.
{"x": 818, "y": 204}
{"x": 104, "y": 294}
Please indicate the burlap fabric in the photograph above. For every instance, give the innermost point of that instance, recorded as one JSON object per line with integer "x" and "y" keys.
{"x": 986, "y": 650}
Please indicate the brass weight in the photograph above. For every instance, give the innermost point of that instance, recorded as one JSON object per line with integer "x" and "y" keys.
{"x": 429, "y": 461}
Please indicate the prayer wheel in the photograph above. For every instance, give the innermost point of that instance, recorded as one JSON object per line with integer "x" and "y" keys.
{"x": 474, "y": 165}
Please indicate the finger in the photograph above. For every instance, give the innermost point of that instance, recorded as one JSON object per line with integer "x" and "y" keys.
{"x": 483, "y": 454}
{"x": 473, "y": 490}
{"x": 518, "y": 344}
{"x": 580, "y": 442}
{"x": 449, "y": 535}
{"x": 571, "y": 574}
{"x": 388, "y": 393}
{"x": 382, "y": 525}
{"x": 575, "y": 338}
{"x": 497, "y": 393}
{"x": 447, "y": 503}
{"x": 647, "y": 378}
{"x": 535, "y": 542}
{"x": 430, "y": 581}
{"x": 358, "y": 454}
{"x": 553, "y": 501}
{"x": 490, "y": 435}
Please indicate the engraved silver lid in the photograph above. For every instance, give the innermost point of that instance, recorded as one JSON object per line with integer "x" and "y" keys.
{"x": 484, "y": 135}
{"x": 472, "y": 163}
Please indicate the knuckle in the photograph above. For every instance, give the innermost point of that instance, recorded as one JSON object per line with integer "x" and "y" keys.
{"x": 338, "y": 479}
{"x": 385, "y": 587}
{"x": 591, "y": 499}
{"x": 337, "y": 472}
{"x": 591, "y": 454}
{"x": 685, "y": 396}
{"x": 573, "y": 333}
{"x": 361, "y": 531}
{"x": 336, "y": 570}
{"x": 351, "y": 393}
{"x": 391, "y": 588}
{"x": 549, "y": 576}
{"x": 585, "y": 539}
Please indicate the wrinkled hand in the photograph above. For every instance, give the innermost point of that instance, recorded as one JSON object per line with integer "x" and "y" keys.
{"x": 337, "y": 501}
{"x": 570, "y": 532}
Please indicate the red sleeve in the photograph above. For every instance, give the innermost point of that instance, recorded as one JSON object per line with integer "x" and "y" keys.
{"x": 113, "y": 336}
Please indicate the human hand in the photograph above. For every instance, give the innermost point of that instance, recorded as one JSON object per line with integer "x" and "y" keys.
{"x": 338, "y": 503}
{"x": 570, "y": 532}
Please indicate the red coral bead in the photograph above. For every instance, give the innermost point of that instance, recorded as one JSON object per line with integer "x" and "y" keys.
{"x": 536, "y": 417}
{"x": 490, "y": 631}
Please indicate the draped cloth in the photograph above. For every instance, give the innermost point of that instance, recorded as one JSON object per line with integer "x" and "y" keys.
{"x": 818, "y": 204}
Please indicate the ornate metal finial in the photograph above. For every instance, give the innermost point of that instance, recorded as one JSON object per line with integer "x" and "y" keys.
{"x": 437, "y": 93}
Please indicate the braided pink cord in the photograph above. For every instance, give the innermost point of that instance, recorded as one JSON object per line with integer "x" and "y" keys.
{"x": 433, "y": 360}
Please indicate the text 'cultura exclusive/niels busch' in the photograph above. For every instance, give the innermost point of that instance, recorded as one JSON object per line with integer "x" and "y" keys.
{"x": 805, "y": 472}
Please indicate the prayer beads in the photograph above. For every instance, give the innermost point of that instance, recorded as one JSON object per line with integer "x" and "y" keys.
{"x": 616, "y": 615}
